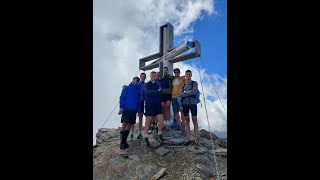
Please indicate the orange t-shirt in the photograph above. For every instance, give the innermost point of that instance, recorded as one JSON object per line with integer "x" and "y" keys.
{"x": 177, "y": 83}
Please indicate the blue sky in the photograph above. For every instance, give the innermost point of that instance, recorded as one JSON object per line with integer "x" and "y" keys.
{"x": 211, "y": 32}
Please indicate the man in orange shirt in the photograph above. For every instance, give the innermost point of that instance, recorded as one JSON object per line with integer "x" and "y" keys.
{"x": 177, "y": 83}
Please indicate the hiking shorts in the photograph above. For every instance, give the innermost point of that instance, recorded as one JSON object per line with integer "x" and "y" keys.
{"x": 153, "y": 109}
{"x": 141, "y": 107}
{"x": 175, "y": 105}
{"x": 166, "y": 97}
{"x": 129, "y": 116}
{"x": 191, "y": 107}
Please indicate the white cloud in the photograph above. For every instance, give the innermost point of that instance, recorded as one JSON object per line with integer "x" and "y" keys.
{"x": 125, "y": 31}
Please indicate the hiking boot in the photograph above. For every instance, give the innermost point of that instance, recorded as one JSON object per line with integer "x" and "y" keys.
{"x": 139, "y": 136}
{"x": 123, "y": 152}
{"x": 130, "y": 137}
{"x": 196, "y": 145}
{"x": 146, "y": 142}
{"x": 186, "y": 143}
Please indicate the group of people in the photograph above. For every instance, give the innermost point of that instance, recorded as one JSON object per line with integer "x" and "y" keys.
{"x": 153, "y": 99}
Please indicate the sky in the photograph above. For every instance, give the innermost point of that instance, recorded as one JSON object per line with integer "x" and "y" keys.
{"x": 125, "y": 31}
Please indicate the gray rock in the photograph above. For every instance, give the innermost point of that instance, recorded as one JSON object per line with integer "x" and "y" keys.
{"x": 201, "y": 150}
{"x": 135, "y": 143}
{"x": 221, "y": 152}
{"x": 144, "y": 177}
{"x": 205, "y": 160}
{"x": 206, "y": 134}
{"x": 166, "y": 134}
{"x": 131, "y": 174}
{"x": 198, "y": 178}
{"x": 150, "y": 171}
{"x": 118, "y": 176}
{"x": 176, "y": 141}
{"x": 153, "y": 142}
{"x": 208, "y": 173}
{"x": 178, "y": 136}
{"x": 219, "y": 142}
{"x": 162, "y": 151}
{"x": 107, "y": 177}
{"x": 145, "y": 161}
{"x": 223, "y": 143}
{"x": 105, "y": 134}
{"x": 134, "y": 157}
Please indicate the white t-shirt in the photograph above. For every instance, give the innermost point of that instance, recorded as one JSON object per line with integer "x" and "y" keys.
{"x": 175, "y": 82}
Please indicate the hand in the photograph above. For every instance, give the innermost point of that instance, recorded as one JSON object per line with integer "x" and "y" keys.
{"x": 120, "y": 111}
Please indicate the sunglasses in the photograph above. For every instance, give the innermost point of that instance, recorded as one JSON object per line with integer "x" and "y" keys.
{"x": 176, "y": 72}
{"x": 136, "y": 80}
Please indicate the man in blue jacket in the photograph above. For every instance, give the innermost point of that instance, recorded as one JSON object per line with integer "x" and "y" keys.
{"x": 153, "y": 93}
{"x": 129, "y": 106}
{"x": 140, "y": 113}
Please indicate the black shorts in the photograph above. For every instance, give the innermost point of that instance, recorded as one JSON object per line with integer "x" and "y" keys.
{"x": 153, "y": 109}
{"x": 141, "y": 107}
{"x": 192, "y": 108}
{"x": 129, "y": 116}
{"x": 166, "y": 97}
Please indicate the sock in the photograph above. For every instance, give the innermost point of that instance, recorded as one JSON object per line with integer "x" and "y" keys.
{"x": 122, "y": 135}
{"x": 139, "y": 131}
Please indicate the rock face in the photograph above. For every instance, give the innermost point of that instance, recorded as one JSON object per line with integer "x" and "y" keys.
{"x": 143, "y": 162}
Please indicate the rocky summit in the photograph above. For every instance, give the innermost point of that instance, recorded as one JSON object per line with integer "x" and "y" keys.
{"x": 171, "y": 160}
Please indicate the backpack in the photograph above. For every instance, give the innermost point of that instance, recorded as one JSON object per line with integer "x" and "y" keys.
{"x": 196, "y": 96}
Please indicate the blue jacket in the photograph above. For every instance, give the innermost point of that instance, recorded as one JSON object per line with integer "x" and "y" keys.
{"x": 129, "y": 98}
{"x": 141, "y": 90}
{"x": 152, "y": 92}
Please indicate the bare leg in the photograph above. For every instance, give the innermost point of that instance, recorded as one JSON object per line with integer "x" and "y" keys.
{"x": 168, "y": 109}
{"x": 147, "y": 126}
{"x": 177, "y": 117}
{"x": 187, "y": 123}
{"x": 182, "y": 117}
{"x": 129, "y": 127}
{"x": 195, "y": 123}
{"x": 124, "y": 126}
{"x": 140, "y": 122}
{"x": 163, "y": 106}
{"x": 160, "y": 123}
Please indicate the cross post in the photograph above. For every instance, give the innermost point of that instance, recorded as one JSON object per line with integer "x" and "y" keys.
{"x": 168, "y": 55}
